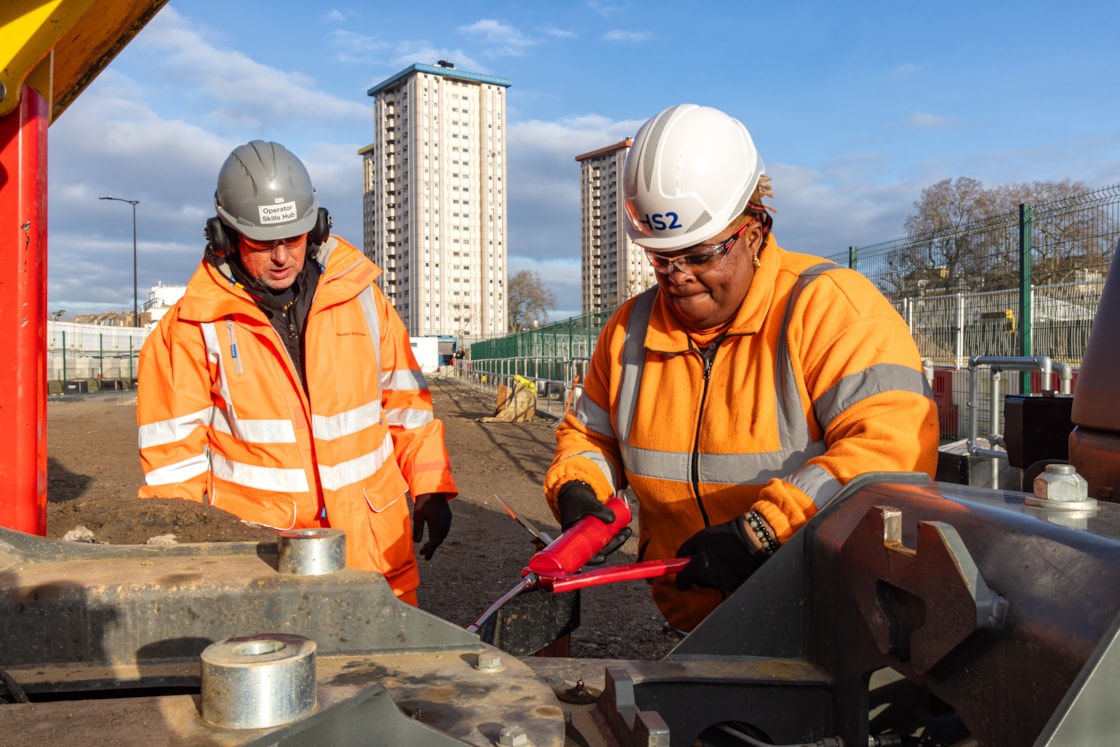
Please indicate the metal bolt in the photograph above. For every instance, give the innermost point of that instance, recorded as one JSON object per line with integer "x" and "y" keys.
{"x": 1060, "y": 482}
{"x": 489, "y": 661}
{"x": 513, "y": 736}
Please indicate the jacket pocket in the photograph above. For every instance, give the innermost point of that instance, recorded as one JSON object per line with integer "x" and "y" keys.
{"x": 378, "y": 502}
{"x": 278, "y": 512}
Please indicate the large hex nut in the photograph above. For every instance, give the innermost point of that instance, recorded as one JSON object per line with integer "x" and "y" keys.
{"x": 1060, "y": 482}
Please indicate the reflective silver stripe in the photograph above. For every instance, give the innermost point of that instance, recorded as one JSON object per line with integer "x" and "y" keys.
{"x": 856, "y": 387}
{"x": 793, "y": 430}
{"x": 173, "y": 429}
{"x": 179, "y": 472}
{"x": 255, "y": 431}
{"x": 603, "y": 464}
{"x": 594, "y": 417}
{"x": 214, "y": 353}
{"x": 725, "y": 469}
{"x": 254, "y": 476}
{"x": 340, "y": 475}
{"x": 407, "y": 417}
{"x": 329, "y": 428}
{"x": 633, "y": 361}
{"x": 403, "y": 379}
{"x": 730, "y": 468}
{"x": 661, "y": 465}
{"x": 815, "y": 482}
{"x": 368, "y": 305}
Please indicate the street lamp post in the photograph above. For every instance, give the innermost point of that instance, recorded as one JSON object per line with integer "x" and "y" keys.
{"x": 133, "y": 203}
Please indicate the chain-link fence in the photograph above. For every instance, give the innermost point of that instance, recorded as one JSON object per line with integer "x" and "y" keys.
{"x": 89, "y": 357}
{"x": 1024, "y": 283}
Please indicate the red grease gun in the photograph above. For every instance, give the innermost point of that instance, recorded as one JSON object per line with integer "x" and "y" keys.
{"x": 556, "y": 567}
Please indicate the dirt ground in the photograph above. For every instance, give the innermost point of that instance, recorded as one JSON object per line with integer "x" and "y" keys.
{"x": 94, "y": 473}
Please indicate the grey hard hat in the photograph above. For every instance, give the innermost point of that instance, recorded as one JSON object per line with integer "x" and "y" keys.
{"x": 265, "y": 193}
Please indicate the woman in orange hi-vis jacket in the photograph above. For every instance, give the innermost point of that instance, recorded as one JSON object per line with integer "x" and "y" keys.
{"x": 282, "y": 387}
{"x": 736, "y": 397}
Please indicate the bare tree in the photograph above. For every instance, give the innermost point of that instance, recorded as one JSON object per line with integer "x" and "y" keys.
{"x": 942, "y": 256}
{"x": 1059, "y": 241}
{"x": 965, "y": 237}
{"x": 529, "y": 300}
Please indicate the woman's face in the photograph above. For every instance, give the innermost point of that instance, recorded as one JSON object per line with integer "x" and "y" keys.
{"x": 711, "y": 298}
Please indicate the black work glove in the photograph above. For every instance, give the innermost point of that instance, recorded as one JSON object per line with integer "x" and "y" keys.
{"x": 575, "y": 500}
{"x": 723, "y": 557}
{"x": 431, "y": 510}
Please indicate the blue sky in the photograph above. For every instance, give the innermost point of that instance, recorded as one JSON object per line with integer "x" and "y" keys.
{"x": 855, "y": 108}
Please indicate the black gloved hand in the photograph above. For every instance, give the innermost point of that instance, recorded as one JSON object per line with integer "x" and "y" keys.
{"x": 723, "y": 557}
{"x": 431, "y": 510}
{"x": 575, "y": 500}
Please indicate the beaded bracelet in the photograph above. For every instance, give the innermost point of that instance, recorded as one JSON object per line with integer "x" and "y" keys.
{"x": 769, "y": 544}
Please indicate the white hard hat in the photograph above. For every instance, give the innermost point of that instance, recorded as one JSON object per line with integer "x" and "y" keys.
{"x": 689, "y": 173}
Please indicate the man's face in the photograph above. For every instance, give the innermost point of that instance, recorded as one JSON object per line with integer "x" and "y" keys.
{"x": 275, "y": 263}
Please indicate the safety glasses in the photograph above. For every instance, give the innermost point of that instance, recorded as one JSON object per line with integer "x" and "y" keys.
{"x": 267, "y": 246}
{"x": 696, "y": 262}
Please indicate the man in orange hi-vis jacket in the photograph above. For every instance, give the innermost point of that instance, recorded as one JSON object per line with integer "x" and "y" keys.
{"x": 282, "y": 387}
{"x": 740, "y": 394}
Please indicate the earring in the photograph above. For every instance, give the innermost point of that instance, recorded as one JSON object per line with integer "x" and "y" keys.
{"x": 757, "y": 262}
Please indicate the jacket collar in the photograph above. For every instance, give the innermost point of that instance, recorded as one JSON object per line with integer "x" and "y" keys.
{"x": 212, "y": 295}
{"x": 667, "y": 334}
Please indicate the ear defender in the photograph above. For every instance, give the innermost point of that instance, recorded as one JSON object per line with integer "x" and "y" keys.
{"x": 322, "y": 229}
{"x": 218, "y": 237}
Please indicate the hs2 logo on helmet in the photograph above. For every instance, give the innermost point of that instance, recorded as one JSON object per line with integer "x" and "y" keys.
{"x": 661, "y": 221}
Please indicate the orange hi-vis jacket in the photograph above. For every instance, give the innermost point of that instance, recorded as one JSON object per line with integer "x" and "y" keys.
{"x": 224, "y": 419}
{"x": 816, "y": 381}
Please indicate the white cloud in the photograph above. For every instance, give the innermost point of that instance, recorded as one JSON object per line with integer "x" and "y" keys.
{"x": 926, "y": 121}
{"x": 621, "y": 35}
{"x": 356, "y": 48}
{"x": 502, "y": 39}
{"x": 559, "y": 33}
{"x": 111, "y": 141}
{"x": 605, "y": 9}
{"x": 410, "y": 52}
{"x": 234, "y": 90}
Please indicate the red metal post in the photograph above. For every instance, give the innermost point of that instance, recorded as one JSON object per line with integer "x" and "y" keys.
{"x": 23, "y": 314}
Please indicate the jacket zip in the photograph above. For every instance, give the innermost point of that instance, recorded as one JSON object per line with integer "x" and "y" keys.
{"x": 708, "y": 355}
{"x": 231, "y": 330}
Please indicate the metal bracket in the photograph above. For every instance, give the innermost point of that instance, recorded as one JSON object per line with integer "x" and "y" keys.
{"x": 899, "y": 590}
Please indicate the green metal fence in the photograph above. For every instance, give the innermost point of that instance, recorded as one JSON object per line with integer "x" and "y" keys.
{"x": 554, "y": 355}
